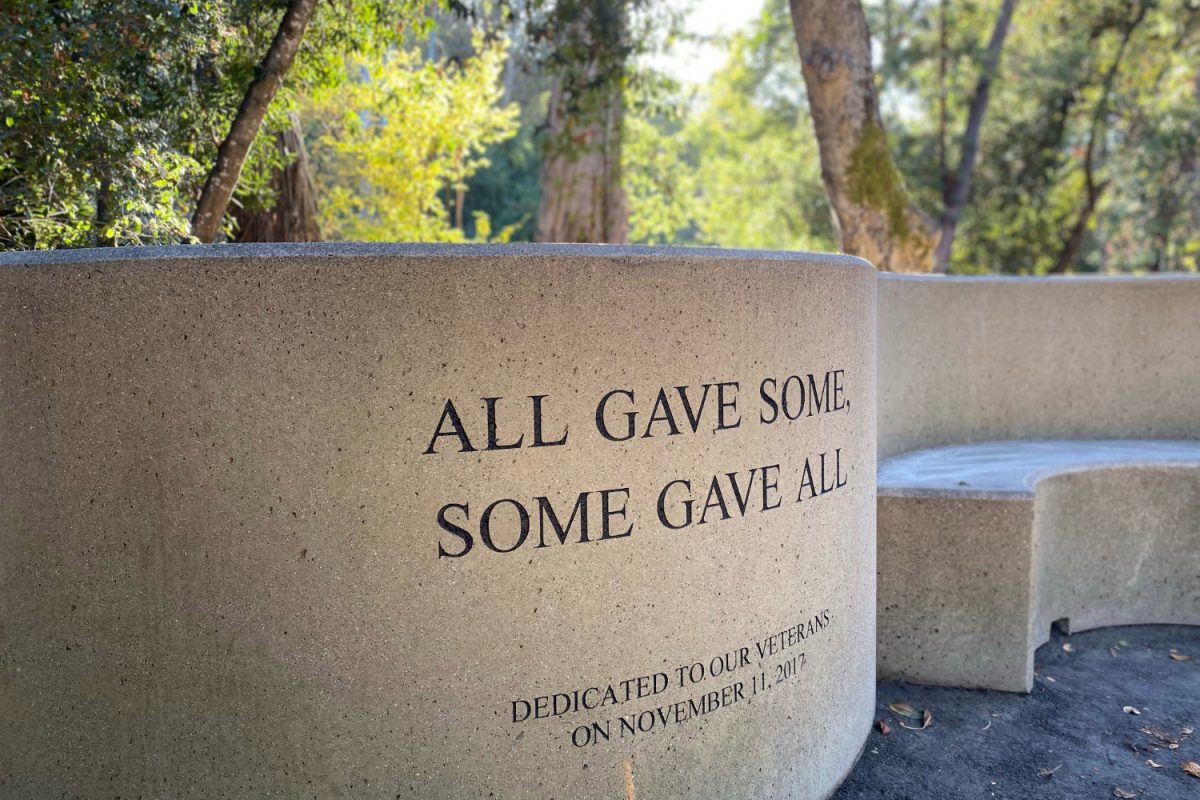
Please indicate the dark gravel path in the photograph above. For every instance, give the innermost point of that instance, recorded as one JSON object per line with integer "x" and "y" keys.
{"x": 1070, "y": 738}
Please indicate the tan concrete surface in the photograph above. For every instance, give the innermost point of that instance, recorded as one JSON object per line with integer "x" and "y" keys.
{"x": 956, "y": 589}
{"x": 965, "y": 360}
{"x": 1087, "y": 534}
{"x": 219, "y": 539}
{"x": 973, "y": 364}
{"x": 1118, "y": 545}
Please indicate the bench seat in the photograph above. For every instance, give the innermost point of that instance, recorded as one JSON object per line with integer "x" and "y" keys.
{"x": 981, "y": 547}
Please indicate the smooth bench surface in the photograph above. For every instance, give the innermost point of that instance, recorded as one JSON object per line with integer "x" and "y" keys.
{"x": 983, "y": 546}
{"x": 1017, "y": 466}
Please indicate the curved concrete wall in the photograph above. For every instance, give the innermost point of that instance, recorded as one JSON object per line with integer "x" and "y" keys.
{"x": 976, "y": 359}
{"x": 301, "y": 522}
{"x": 1117, "y": 545}
{"x": 1002, "y": 556}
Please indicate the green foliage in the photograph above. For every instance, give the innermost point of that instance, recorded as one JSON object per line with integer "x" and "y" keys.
{"x": 112, "y": 110}
{"x": 392, "y": 149}
{"x": 96, "y": 108}
{"x": 1029, "y": 185}
{"x": 743, "y": 170}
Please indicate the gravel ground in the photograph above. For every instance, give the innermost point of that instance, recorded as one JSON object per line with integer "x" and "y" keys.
{"x": 1070, "y": 738}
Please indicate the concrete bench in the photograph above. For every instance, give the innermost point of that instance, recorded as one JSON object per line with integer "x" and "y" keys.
{"x": 982, "y": 547}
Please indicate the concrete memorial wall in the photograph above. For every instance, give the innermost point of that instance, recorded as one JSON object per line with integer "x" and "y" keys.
{"x": 1039, "y": 443}
{"x": 435, "y": 522}
{"x": 966, "y": 359}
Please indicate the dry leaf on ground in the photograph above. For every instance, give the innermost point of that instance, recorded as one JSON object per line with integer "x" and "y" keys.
{"x": 1046, "y": 772}
{"x": 1068, "y": 647}
{"x": 1191, "y": 768}
{"x": 1130, "y": 710}
{"x": 904, "y": 710}
{"x": 1119, "y": 792}
{"x": 1178, "y": 656}
{"x": 1153, "y": 763}
{"x": 926, "y": 721}
{"x": 884, "y": 728}
{"x": 1161, "y": 737}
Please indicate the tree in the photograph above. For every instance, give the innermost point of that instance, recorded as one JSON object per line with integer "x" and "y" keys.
{"x": 583, "y": 199}
{"x": 110, "y": 109}
{"x": 105, "y": 110}
{"x": 393, "y": 149}
{"x": 957, "y": 190}
{"x": 1093, "y": 189}
{"x": 739, "y": 167}
{"x": 1031, "y": 186}
{"x": 873, "y": 214}
{"x": 291, "y": 215}
{"x": 231, "y": 155}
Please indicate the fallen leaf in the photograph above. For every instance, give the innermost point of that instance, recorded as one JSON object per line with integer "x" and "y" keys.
{"x": 1119, "y": 792}
{"x": 904, "y": 710}
{"x": 1162, "y": 738}
{"x": 1153, "y": 764}
{"x": 1051, "y": 679}
{"x": 884, "y": 728}
{"x": 1045, "y": 772}
{"x": 1131, "y": 710}
{"x": 1112, "y": 651}
{"x": 1068, "y": 647}
{"x": 1191, "y": 768}
{"x": 1178, "y": 656}
{"x": 926, "y": 721}
{"x": 985, "y": 727}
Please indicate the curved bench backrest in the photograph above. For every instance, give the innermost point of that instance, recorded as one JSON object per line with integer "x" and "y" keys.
{"x": 976, "y": 359}
{"x": 1116, "y": 545}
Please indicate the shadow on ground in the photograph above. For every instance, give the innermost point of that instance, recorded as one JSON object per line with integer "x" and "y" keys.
{"x": 1070, "y": 738}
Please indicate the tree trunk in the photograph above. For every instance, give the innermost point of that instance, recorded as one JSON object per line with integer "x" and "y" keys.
{"x": 872, "y": 211}
{"x": 293, "y": 217}
{"x": 1093, "y": 190}
{"x": 582, "y": 196}
{"x": 231, "y": 155}
{"x": 956, "y": 197}
{"x": 104, "y": 210}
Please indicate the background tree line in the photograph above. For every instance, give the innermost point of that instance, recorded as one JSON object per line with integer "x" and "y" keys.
{"x": 966, "y": 135}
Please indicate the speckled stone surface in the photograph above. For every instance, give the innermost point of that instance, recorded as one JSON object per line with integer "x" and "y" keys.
{"x": 222, "y": 572}
{"x": 967, "y": 360}
{"x": 983, "y": 547}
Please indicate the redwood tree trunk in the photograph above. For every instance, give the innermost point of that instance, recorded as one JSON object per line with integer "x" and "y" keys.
{"x": 231, "y": 155}
{"x": 582, "y": 196}
{"x": 872, "y": 211}
{"x": 293, "y": 216}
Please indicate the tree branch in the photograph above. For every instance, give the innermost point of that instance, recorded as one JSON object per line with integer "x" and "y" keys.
{"x": 956, "y": 198}
{"x": 231, "y": 155}
{"x": 1094, "y": 190}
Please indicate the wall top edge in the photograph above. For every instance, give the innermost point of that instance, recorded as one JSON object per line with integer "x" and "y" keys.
{"x": 901, "y": 277}
{"x": 343, "y": 250}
